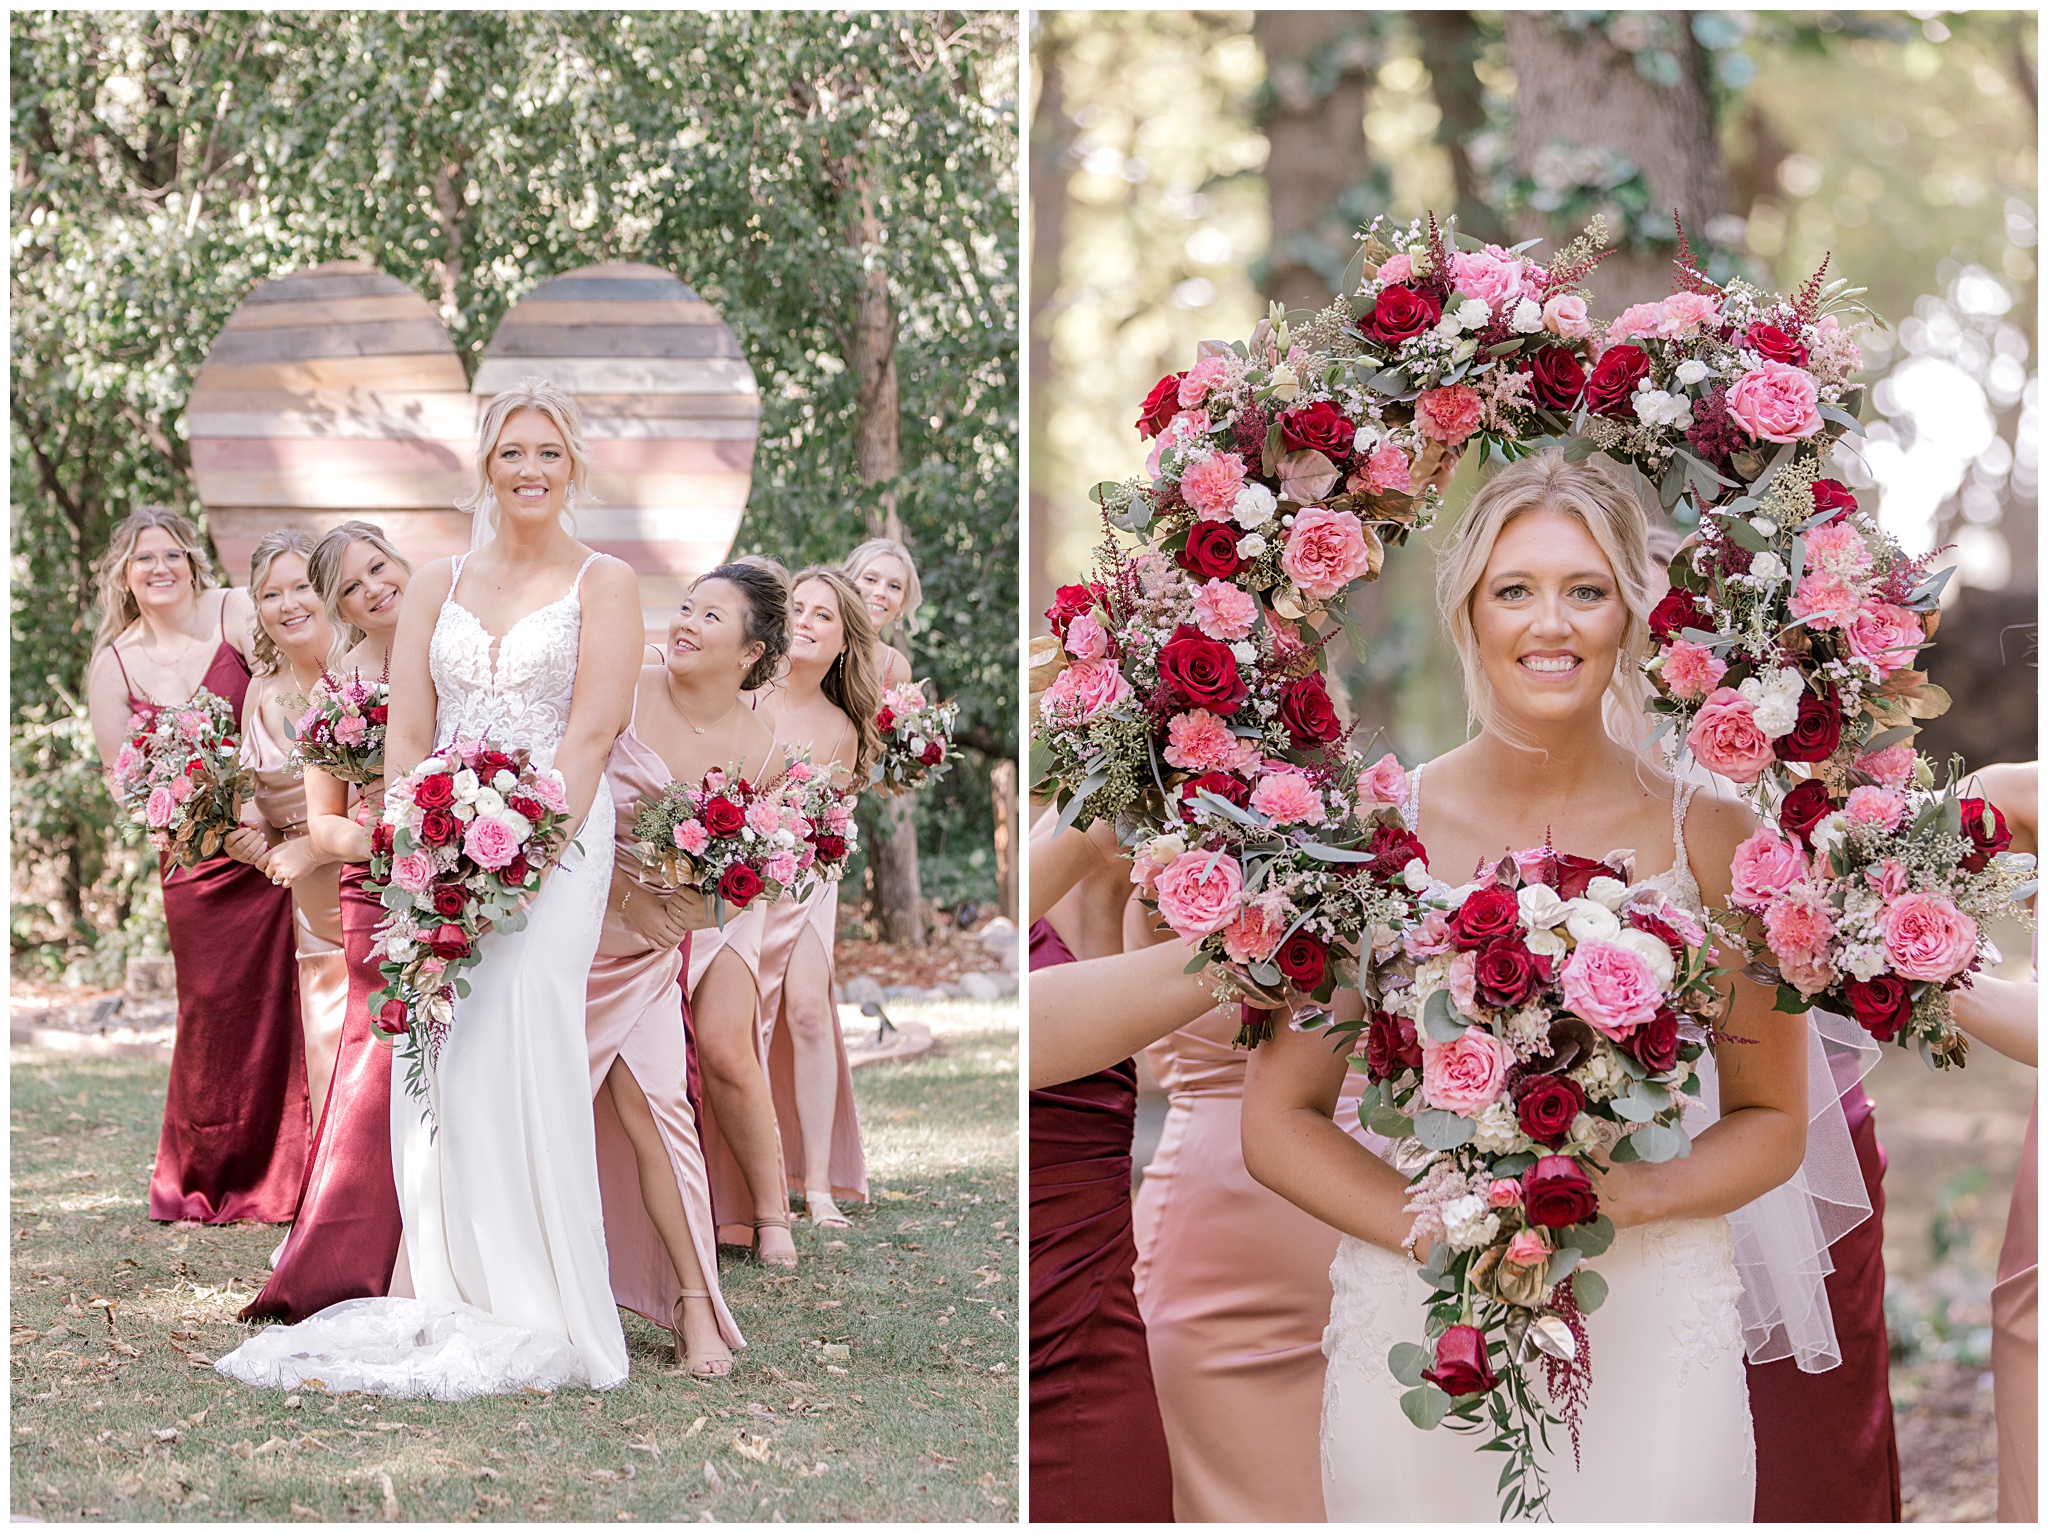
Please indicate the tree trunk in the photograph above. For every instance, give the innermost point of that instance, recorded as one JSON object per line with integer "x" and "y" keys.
{"x": 1576, "y": 88}
{"x": 1003, "y": 790}
{"x": 1450, "y": 44}
{"x": 1052, "y": 140}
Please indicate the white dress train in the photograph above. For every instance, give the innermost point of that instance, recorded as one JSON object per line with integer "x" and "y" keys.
{"x": 504, "y": 1228}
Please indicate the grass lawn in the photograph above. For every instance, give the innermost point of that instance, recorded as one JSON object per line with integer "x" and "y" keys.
{"x": 880, "y": 1383}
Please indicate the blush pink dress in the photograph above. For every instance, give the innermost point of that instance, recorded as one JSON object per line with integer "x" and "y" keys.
{"x": 1234, "y": 1284}
{"x": 634, "y": 1012}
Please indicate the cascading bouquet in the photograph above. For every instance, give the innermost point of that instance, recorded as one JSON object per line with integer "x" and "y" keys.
{"x": 1549, "y": 1013}
{"x": 180, "y": 776}
{"x": 1273, "y": 879}
{"x": 732, "y": 841}
{"x": 917, "y": 739}
{"x": 342, "y": 730}
{"x": 466, "y": 838}
{"x": 1875, "y": 910}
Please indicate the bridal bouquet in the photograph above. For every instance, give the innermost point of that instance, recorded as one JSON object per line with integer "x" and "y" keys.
{"x": 1275, "y": 881}
{"x": 1525, "y": 1024}
{"x": 725, "y": 837}
{"x": 1874, "y": 909}
{"x": 180, "y": 776}
{"x": 917, "y": 739}
{"x": 342, "y": 730}
{"x": 466, "y": 838}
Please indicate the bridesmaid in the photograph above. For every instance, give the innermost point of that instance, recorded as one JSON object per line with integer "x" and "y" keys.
{"x": 346, "y": 1239}
{"x": 730, "y": 629}
{"x": 887, "y": 577}
{"x": 293, "y": 640}
{"x": 826, "y": 699}
{"x": 236, "y": 1122}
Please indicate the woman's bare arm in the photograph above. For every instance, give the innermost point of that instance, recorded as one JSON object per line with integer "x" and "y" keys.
{"x": 409, "y": 732}
{"x": 106, "y": 703}
{"x": 1060, "y": 860}
{"x": 1086, "y": 1016}
{"x": 2002, "y": 1014}
{"x": 607, "y": 670}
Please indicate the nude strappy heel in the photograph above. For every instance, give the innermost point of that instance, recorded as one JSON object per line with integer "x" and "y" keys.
{"x": 824, "y": 1212}
{"x": 703, "y": 1368}
{"x": 771, "y": 1222}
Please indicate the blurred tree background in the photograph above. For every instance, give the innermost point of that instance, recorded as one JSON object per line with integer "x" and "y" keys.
{"x": 1187, "y": 167}
{"x": 842, "y": 186}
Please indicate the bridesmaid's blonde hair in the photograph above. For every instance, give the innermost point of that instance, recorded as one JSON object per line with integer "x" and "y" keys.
{"x": 264, "y": 654}
{"x": 323, "y": 568}
{"x": 854, "y": 681}
{"x": 889, "y": 548}
{"x": 117, "y": 603}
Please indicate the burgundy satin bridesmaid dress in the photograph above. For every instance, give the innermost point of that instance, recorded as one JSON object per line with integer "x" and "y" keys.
{"x": 1826, "y": 1450}
{"x": 346, "y": 1238}
{"x": 236, "y": 1118}
{"x": 1098, "y": 1450}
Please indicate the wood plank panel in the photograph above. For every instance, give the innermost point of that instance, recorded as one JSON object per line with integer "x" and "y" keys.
{"x": 372, "y": 493}
{"x": 319, "y": 285}
{"x": 328, "y": 455}
{"x": 419, "y": 372}
{"x": 612, "y": 289}
{"x": 579, "y": 375}
{"x": 279, "y": 413}
{"x": 292, "y": 343}
{"x": 516, "y": 338}
{"x": 598, "y": 428}
{"x": 333, "y": 311}
{"x": 597, "y": 311}
{"x": 627, "y": 456}
{"x": 420, "y": 535}
{"x": 740, "y": 407}
{"x": 658, "y": 523}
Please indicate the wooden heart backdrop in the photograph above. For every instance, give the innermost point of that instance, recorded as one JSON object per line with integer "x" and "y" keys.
{"x": 335, "y": 393}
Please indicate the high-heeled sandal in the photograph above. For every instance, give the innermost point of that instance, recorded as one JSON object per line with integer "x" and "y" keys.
{"x": 824, "y": 1212}
{"x": 703, "y": 1368}
{"x": 771, "y": 1222}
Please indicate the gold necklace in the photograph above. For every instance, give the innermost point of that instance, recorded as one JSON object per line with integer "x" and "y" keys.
{"x": 670, "y": 683}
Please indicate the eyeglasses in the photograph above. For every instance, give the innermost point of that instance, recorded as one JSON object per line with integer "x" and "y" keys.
{"x": 164, "y": 561}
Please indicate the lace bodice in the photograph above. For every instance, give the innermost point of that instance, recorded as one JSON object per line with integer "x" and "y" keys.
{"x": 515, "y": 690}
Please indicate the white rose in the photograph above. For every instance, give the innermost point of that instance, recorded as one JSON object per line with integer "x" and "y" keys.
{"x": 1495, "y": 1131}
{"x": 1544, "y": 943}
{"x": 1447, "y": 327}
{"x": 1527, "y": 318}
{"x": 1469, "y": 1223}
{"x": 1590, "y": 921}
{"x": 1767, "y": 567}
{"x": 1692, "y": 371}
{"x": 504, "y": 781}
{"x": 1163, "y": 849}
{"x": 1541, "y": 908}
{"x": 1415, "y": 875}
{"x": 1830, "y": 833}
{"x": 1250, "y": 546}
{"x": 520, "y": 826}
{"x": 1607, "y": 891}
{"x": 1245, "y": 651}
{"x": 1653, "y": 951}
{"x": 1473, "y": 314}
{"x": 1254, "y": 506}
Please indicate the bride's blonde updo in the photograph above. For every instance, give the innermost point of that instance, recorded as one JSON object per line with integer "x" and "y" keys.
{"x": 1599, "y": 494}
{"x": 557, "y": 405}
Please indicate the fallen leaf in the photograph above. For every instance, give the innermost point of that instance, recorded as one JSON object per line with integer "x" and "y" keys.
{"x": 835, "y": 1368}
{"x": 696, "y": 1426}
{"x": 306, "y": 1512}
{"x": 712, "y": 1476}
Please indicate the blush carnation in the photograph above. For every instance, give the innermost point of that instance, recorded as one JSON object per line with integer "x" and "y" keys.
{"x": 1880, "y": 808}
{"x": 1086, "y": 639}
{"x": 1255, "y": 935}
{"x": 1692, "y": 670}
{"x": 1448, "y": 415}
{"x": 1611, "y": 987}
{"x": 1211, "y": 485}
{"x": 1776, "y": 403}
{"x": 1387, "y": 469}
{"x": 1798, "y": 925}
{"x": 1224, "y": 611}
{"x": 1397, "y": 268}
{"x": 1196, "y": 382}
{"x": 1198, "y": 741}
{"x": 1467, "y": 1075}
{"x": 1198, "y": 892}
{"x": 690, "y": 836}
{"x": 1839, "y": 550}
{"x": 1326, "y": 551}
{"x": 1288, "y": 798}
{"x": 1823, "y": 601}
{"x": 1892, "y": 766}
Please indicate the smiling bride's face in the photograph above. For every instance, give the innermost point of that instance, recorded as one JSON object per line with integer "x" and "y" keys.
{"x": 1549, "y": 618}
{"x": 530, "y": 468}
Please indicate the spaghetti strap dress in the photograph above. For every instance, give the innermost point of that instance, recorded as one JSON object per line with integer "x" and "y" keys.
{"x": 237, "y": 1125}
{"x": 1098, "y": 1451}
{"x": 634, "y": 1012}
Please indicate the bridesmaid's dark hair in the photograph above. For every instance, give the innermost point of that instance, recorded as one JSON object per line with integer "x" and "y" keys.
{"x": 853, "y": 683}
{"x": 767, "y": 614}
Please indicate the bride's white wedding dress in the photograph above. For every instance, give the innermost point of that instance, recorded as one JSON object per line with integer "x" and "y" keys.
{"x": 504, "y": 1233}
{"x": 1666, "y": 1434}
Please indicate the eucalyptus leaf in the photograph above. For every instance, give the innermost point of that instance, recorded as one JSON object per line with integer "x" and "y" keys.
{"x": 1406, "y": 1362}
{"x": 1391, "y": 1124}
{"x": 1441, "y": 1130}
{"x": 1439, "y": 1021}
{"x": 1589, "y": 1289}
{"x": 1656, "y": 1142}
{"x": 1562, "y": 1261}
{"x": 1266, "y": 974}
{"x": 1592, "y": 1238}
{"x": 1740, "y": 531}
{"x": 1425, "y": 1406}
{"x": 1898, "y": 734}
{"x": 1072, "y": 810}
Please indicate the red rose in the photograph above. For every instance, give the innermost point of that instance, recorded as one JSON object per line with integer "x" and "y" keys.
{"x": 435, "y": 792}
{"x": 1556, "y": 380}
{"x": 381, "y": 837}
{"x": 1319, "y": 427}
{"x": 449, "y": 900}
{"x": 1461, "y": 1366}
{"x": 740, "y": 884}
{"x": 722, "y": 817}
{"x": 513, "y": 875}
{"x": 1391, "y": 1046}
{"x": 1400, "y": 312}
{"x": 1774, "y": 345}
{"x": 1507, "y": 973}
{"x": 438, "y": 827}
{"x": 377, "y": 713}
{"x": 390, "y": 1019}
{"x": 1392, "y": 848}
{"x": 1832, "y": 497}
{"x": 886, "y": 719}
{"x": 1570, "y": 876}
{"x": 490, "y": 763}
{"x": 1068, "y": 603}
{"x": 1804, "y": 807}
{"x": 447, "y": 941}
{"x": 1232, "y": 790}
{"x": 1988, "y": 833}
{"x": 1661, "y": 931}
{"x": 1815, "y": 733}
{"x": 533, "y": 810}
{"x": 1882, "y": 1005}
{"x": 1303, "y": 960}
{"x": 831, "y": 847}
{"x": 934, "y": 753}
{"x": 1160, "y": 406}
{"x": 1655, "y": 1043}
{"x": 1306, "y": 710}
{"x": 1613, "y": 383}
{"x": 1556, "y": 1193}
{"x": 1487, "y": 913}
{"x": 1202, "y": 670}
{"x": 1678, "y": 609}
{"x": 1211, "y": 551}
{"x": 1545, "y": 1106}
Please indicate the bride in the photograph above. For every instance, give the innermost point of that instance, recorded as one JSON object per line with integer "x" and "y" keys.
{"x": 1545, "y": 592}
{"x": 531, "y": 640}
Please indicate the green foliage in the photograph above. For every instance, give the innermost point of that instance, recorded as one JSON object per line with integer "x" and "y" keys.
{"x": 165, "y": 162}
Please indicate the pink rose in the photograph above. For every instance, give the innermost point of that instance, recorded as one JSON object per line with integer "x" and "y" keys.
{"x": 1725, "y": 737}
{"x": 158, "y": 811}
{"x": 1326, "y": 551}
{"x": 1880, "y": 808}
{"x": 1428, "y": 937}
{"x": 414, "y": 872}
{"x": 1198, "y": 892}
{"x": 1493, "y": 274}
{"x": 1087, "y": 639}
{"x": 489, "y": 842}
{"x": 1885, "y": 637}
{"x": 1888, "y": 878}
{"x": 1823, "y": 601}
{"x": 1527, "y": 1249}
{"x": 1799, "y": 925}
{"x": 1892, "y": 766}
{"x": 1692, "y": 670}
{"x": 1223, "y": 611}
{"x": 1211, "y": 484}
{"x": 1466, "y": 1076}
{"x": 1196, "y": 382}
{"x": 1255, "y": 935}
{"x": 691, "y": 837}
{"x": 1288, "y": 798}
{"x": 1564, "y": 315}
{"x": 1636, "y": 321}
{"x": 1384, "y": 782}
{"x": 1448, "y": 415}
{"x": 1765, "y": 866}
{"x": 1081, "y": 691}
{"x": 1200, "y": 742}
{"x": 1506, "y": 1192}
{"x": 1397, "y": 268}
{"x": 1776, "y": 403}
{"x": 1611, "y": 987}
{"x": 548, "y": 788}
{"x": 1926, "y": 937}
{"x": 1386, "y": 469}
